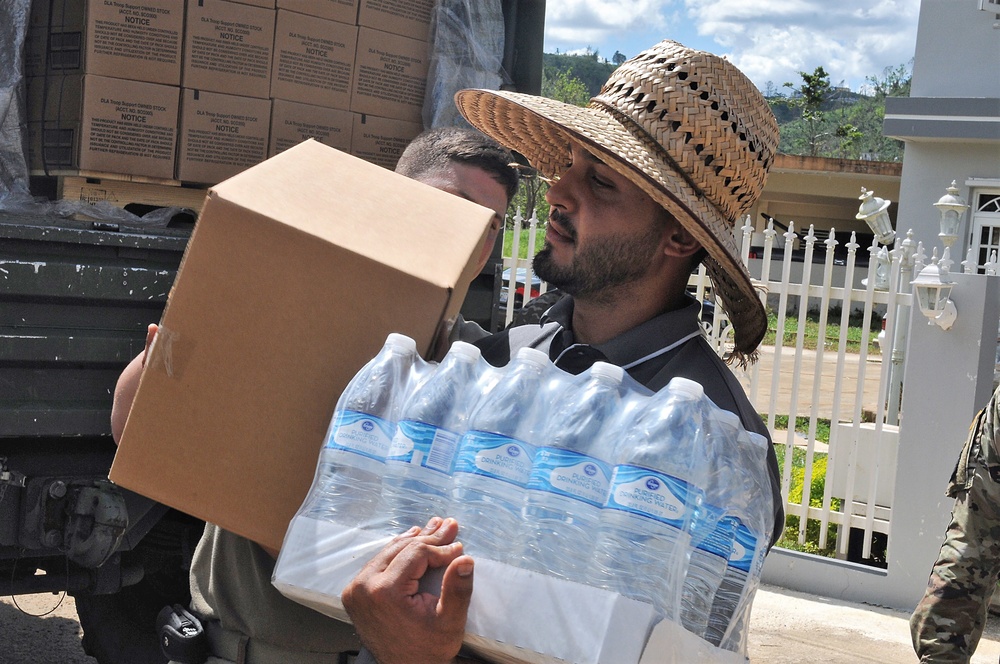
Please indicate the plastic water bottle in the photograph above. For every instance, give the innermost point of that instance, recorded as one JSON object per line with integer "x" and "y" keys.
{"x": 755, "y": 521}
{"x": 713, "y": 532}
{"x": 495, "y": 456}
{"x": 571, "y": 476}
{"x": 418, "y": 466}
{"x": 641, "y": 545}
{"x": 348, "y": 481}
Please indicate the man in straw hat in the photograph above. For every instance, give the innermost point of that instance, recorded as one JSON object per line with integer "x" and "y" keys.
{"x": 647, "y": 181}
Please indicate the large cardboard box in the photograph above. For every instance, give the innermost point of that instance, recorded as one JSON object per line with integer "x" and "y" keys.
{"x": 292, "y": 123}
{"x": 342, "y": 11}
{"x": 410, "y": 18}
{"x": 97, "y": 123}
{"x": 390, "y": 75}
{"x": 139, "y": 40}
{"x": 296, "y": 272}
{"x": 220, "y": 135}
{"x": 227, "y": 48}
{"x": 381, "y": 140}
{"x": 313, "y": 60}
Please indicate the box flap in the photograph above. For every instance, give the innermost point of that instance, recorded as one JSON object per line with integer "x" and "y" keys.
{"x": 333, "y": 210}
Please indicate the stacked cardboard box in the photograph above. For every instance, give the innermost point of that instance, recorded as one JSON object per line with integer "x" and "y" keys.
{"x": 103, "y": 86}
{"x": 147, "y": 88}
{"x": 225, "y": 116}
{"x": 367, "y": 59}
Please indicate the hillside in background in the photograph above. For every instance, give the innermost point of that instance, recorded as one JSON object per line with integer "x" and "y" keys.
{"x": 816, "y": 119}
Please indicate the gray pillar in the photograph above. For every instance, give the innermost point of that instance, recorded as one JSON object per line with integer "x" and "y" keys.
{"x": 949, "y": 377}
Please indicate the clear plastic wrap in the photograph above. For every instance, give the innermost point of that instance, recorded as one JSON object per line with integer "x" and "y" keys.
{"x": 584, "y": 621}
{"x": 13, "y": 121}
{"x": 466, "y": 46}
{"x": 21, "y": 201}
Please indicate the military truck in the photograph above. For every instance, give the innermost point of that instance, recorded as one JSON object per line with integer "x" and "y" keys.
{"x": 76, "y": 297}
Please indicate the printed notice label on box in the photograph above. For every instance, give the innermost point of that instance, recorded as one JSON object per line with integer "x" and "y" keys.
{"x": 405, "y": 9}
{"x": 316, "y": 61}
{"x": 141, "y": 33}
{"x": 218, "y": 55}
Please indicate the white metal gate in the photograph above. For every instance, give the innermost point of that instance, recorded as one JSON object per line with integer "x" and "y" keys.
{"x": 856, "y": 391}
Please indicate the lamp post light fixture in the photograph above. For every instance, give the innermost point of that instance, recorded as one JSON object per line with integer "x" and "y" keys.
{"x": 873, "y": 212}
{"x": 952, "y": 208}
{"x": 932, "y": 287}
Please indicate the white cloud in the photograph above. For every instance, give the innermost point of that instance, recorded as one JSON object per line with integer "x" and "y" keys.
{"x": 773, "y": 40}
{"x": 594, "y": 22}
{"x": 770, "y": 40}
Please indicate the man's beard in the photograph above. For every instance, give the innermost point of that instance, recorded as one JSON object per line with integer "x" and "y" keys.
{"x": 600, "y": 267}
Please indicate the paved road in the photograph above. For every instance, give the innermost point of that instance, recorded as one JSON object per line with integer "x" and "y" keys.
{"x": 786, "y": 628}
{"x": 794, "y": 628}
{"x": 758, "y": 382}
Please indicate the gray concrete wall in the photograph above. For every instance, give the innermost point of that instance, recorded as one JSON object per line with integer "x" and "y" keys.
{"x": 957, "y": 51}
{"x": 928, "y": 169}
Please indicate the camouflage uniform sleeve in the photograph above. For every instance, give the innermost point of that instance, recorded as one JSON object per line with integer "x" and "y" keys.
{"x": 949, "y": 620}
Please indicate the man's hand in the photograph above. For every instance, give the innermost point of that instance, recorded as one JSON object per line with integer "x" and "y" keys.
{"x": 395, "y": 620}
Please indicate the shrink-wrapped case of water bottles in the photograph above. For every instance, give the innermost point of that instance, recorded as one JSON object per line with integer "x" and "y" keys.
{"x": 600, "y": 514}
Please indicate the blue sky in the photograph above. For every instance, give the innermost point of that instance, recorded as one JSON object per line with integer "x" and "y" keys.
{"x": 770, "y": 40}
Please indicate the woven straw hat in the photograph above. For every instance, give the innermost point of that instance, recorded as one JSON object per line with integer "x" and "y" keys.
{"x": 686, "y": 126}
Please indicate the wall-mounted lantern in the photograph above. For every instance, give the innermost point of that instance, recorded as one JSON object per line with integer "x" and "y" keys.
{"x": 932, "y": 287}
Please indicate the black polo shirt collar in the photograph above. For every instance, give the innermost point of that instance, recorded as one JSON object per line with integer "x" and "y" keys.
{"x": 634, "y": 348}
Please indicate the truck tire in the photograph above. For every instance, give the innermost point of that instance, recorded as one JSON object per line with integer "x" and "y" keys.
{"x": 120, "y": 628}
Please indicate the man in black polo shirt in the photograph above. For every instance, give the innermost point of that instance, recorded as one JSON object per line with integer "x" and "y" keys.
{"x": 647, "y": 181}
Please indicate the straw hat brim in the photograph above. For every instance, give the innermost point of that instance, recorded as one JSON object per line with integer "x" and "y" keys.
{"x": 542, "y": 130}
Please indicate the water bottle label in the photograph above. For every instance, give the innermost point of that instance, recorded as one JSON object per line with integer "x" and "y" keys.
{"x": 719, "y": 540}
{"x": 650, "y": 494}
{"x": 360, "y": 433}
{"x": 496, "y": 456}
{"x": 571, "y": 474}
{"x": 744, "y": 547}
{"x": 424, "y": 445}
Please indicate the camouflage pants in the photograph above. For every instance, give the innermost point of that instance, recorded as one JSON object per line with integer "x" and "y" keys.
{"x": 948, "y": 621}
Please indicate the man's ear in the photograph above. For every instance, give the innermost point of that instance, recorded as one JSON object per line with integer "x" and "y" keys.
{"x": 678, "y": 242}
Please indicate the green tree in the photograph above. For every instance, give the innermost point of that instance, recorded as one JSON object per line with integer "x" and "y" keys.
{"x": 869, "y": 114}
{"x": 618, "y": 58}
{"x": 848, "y": 135}
{"x": 562, "y": 85}
{"x": 809, "y": 98}
{"x": 587, "y": 68}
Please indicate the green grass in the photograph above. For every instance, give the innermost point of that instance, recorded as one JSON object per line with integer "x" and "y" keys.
{"x": 811, "y": 335}
{"x": 802, "y": 426}
{"x": 508, "y": 241}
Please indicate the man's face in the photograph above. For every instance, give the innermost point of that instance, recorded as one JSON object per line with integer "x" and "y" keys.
{"x": 473, "y": 184}
{"x": 603, "y": 231}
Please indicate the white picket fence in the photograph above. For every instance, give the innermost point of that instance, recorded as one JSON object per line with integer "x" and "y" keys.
{"x": 856, "y": 391}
